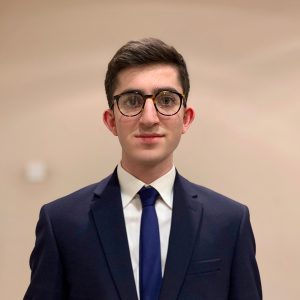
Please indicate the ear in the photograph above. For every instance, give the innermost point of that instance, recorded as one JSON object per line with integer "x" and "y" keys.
{"x": 110, "y": 121}
{"x": 188, "y": 118}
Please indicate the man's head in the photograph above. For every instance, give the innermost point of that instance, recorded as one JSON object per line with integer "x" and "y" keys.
{"x": 146, "y": 85}
{"x": 142, "y": 53}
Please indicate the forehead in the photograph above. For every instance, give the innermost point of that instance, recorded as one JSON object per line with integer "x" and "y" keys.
{"x": 148, "y": 78}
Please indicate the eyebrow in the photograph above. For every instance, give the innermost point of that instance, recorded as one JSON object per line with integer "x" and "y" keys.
{"x": 154, "y": 92}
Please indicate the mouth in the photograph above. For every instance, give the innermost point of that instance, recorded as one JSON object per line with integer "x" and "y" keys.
{"x": 149, "y": 137}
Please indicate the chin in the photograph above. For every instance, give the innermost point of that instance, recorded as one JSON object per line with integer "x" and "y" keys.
{"x": 151, "y": 160}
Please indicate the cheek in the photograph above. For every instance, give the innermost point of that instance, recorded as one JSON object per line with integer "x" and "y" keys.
{"x": 124, "y": 127}
{"x": 175, "y": 131}
{"x": 177, "y": 126}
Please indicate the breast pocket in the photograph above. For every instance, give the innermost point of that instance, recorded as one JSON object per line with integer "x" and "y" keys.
{"x": 207, "y": 266}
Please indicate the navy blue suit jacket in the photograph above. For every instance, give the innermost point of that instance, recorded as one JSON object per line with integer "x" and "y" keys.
{"x": 82, "y": 252}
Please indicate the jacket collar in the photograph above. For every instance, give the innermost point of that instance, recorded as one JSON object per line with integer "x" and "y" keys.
{"x": 186, "y": 220}
{"x": 109, "y": 219}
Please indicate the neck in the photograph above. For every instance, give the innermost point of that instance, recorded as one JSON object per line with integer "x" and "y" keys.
{"x": 147, "y": 173}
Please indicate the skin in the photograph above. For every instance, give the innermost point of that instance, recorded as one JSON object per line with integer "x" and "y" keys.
{"x": 149, "y": 139}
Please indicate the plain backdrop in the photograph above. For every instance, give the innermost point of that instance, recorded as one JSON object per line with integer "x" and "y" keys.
{"x": 244, "y": 63}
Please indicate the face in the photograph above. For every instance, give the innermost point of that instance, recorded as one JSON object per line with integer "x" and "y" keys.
{"x": 148, "y": 139}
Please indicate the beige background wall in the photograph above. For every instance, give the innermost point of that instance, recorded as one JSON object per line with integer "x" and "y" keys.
{"x": 244, "y": 62}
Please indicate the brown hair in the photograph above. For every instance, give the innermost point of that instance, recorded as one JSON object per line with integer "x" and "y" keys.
{"x": 144, "y": 52}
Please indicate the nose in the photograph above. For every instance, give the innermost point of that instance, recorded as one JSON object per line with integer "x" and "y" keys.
{"x": 149, "y": 115}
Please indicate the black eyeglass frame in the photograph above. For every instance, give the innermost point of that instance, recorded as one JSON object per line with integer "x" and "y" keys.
{"x": 153, "y": 97}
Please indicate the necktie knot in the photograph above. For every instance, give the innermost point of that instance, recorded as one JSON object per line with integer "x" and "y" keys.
{"x": 148, "y": 195}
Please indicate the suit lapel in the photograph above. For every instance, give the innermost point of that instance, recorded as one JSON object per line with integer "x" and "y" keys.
{"x": 186, "y": 220}
{"x": 109, "y": 219}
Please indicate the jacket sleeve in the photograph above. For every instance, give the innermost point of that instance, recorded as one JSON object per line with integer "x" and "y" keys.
{"x": 245, "y": 281}
{"x": 47, "y": 276}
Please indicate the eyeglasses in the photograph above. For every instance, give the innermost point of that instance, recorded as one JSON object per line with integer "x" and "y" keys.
{"x": 167, "y": 103}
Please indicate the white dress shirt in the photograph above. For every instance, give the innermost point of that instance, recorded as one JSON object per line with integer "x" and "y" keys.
{"x": 132, "y": 209}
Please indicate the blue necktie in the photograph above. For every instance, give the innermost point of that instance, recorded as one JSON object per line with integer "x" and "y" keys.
{"x": 150, "y": 260}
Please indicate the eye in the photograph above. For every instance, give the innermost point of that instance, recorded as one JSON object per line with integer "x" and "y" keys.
{"x": 167, "y": 99}
{"x": 131, "y": 100}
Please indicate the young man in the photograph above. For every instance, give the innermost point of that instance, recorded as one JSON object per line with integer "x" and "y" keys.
{"x": 145, "y": 232}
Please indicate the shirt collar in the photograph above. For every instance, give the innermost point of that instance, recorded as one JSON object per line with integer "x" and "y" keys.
{"x": 130, "y": 186}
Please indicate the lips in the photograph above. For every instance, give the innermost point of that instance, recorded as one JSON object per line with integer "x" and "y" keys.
{"x": 149, "y": 137}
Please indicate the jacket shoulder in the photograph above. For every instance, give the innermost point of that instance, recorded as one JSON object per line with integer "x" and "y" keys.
{"x": 78, "y": 199}
{"x": 211, "y": 198}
